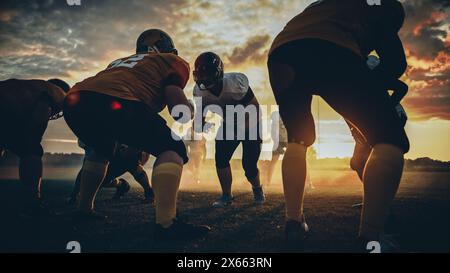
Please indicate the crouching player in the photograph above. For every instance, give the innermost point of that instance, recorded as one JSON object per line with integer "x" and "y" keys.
{"x": 121, "y": 105}
{"x": 224, "y": 90}
{"x": 26, "y": 106}
{"x": 127, "y": 159}
{"x": 322, "y": 51}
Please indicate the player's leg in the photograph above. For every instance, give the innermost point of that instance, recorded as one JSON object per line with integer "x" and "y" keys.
{"x": 294, "y": 101}
{"x": 117, "y": 167}
{"x": 73, "y": 198}
{"x": 155, "y": 138}
{"x": 372, "y": 113}
{"x": 271, "y": 164}
{"x": 30, "y": 153}
{"x": 224, "y": 151}
{"x": 361, "y": 151}
{"x": 92, "y": 119}
{"x": 251, "y": 150}
{"x": 140, "y": 175}
{"x": 92, "y": 175}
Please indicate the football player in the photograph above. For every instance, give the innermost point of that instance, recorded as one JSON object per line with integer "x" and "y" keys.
{"x": 127, "y": 159}
{"x": 121, "y": 104}
{"x": 26, "y": 106}
{"x": 217, "y": 88}
{"x": 322, "y": 51}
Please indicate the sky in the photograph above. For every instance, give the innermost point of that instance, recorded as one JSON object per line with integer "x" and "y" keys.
{"x": 49, "y": 38}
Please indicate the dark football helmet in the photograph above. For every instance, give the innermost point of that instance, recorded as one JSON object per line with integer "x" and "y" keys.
{"x": 155, "y": 40}
{"x": 208, "y": 71}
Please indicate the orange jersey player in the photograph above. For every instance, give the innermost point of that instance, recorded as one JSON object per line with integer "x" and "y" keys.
{"x": 121, "y": 105}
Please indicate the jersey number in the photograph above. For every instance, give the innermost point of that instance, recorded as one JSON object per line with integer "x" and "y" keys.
{"x": 129, "y": 62}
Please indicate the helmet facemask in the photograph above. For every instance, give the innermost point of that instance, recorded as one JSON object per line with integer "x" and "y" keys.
{"x": 207, "y": 79}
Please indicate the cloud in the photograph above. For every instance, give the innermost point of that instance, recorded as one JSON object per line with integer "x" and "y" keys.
{"x": 255, "y": 49}
{"x": 426, "y": 36}
{"x": 48, "y": 38}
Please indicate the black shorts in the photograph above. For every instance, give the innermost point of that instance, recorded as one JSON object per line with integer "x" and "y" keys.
{"x": 102, "y": 121}
{"x": 22, "y": 134}
{"x": 303, "y": 68}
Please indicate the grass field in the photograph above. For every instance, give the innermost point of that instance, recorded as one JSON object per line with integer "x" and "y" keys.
{"x": 421, "y": 208}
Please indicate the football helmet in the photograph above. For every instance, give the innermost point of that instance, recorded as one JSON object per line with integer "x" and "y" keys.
{"x": 155, "y": 40}
{"x": 208, "y": 71}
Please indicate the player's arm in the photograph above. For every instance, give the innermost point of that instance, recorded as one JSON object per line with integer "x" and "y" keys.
{"x": 174, "y": 83}
{"x": 392, "y": 56}
{"x": 175, "y": 96}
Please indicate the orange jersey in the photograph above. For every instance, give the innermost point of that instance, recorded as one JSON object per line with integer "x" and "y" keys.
{"x": 19, "y": 96}
{"x": 140, "y": 77}
{"x": 347, "y": 23}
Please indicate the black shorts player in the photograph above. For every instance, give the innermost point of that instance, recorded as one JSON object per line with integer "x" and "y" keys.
{"x": 323, "y": 51}
{"x": 121, "y": 105}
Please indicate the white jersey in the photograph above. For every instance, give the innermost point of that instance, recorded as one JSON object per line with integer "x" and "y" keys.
{"x": 235, "y": 87}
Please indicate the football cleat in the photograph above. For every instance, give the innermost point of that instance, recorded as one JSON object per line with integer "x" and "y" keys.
{"x": 224, "y": 201}
{"x": 258, "y": 195}
{"x": 72, "y": 200}
{"x": 180, "y": 230}
{"x": 296, "y": 231}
